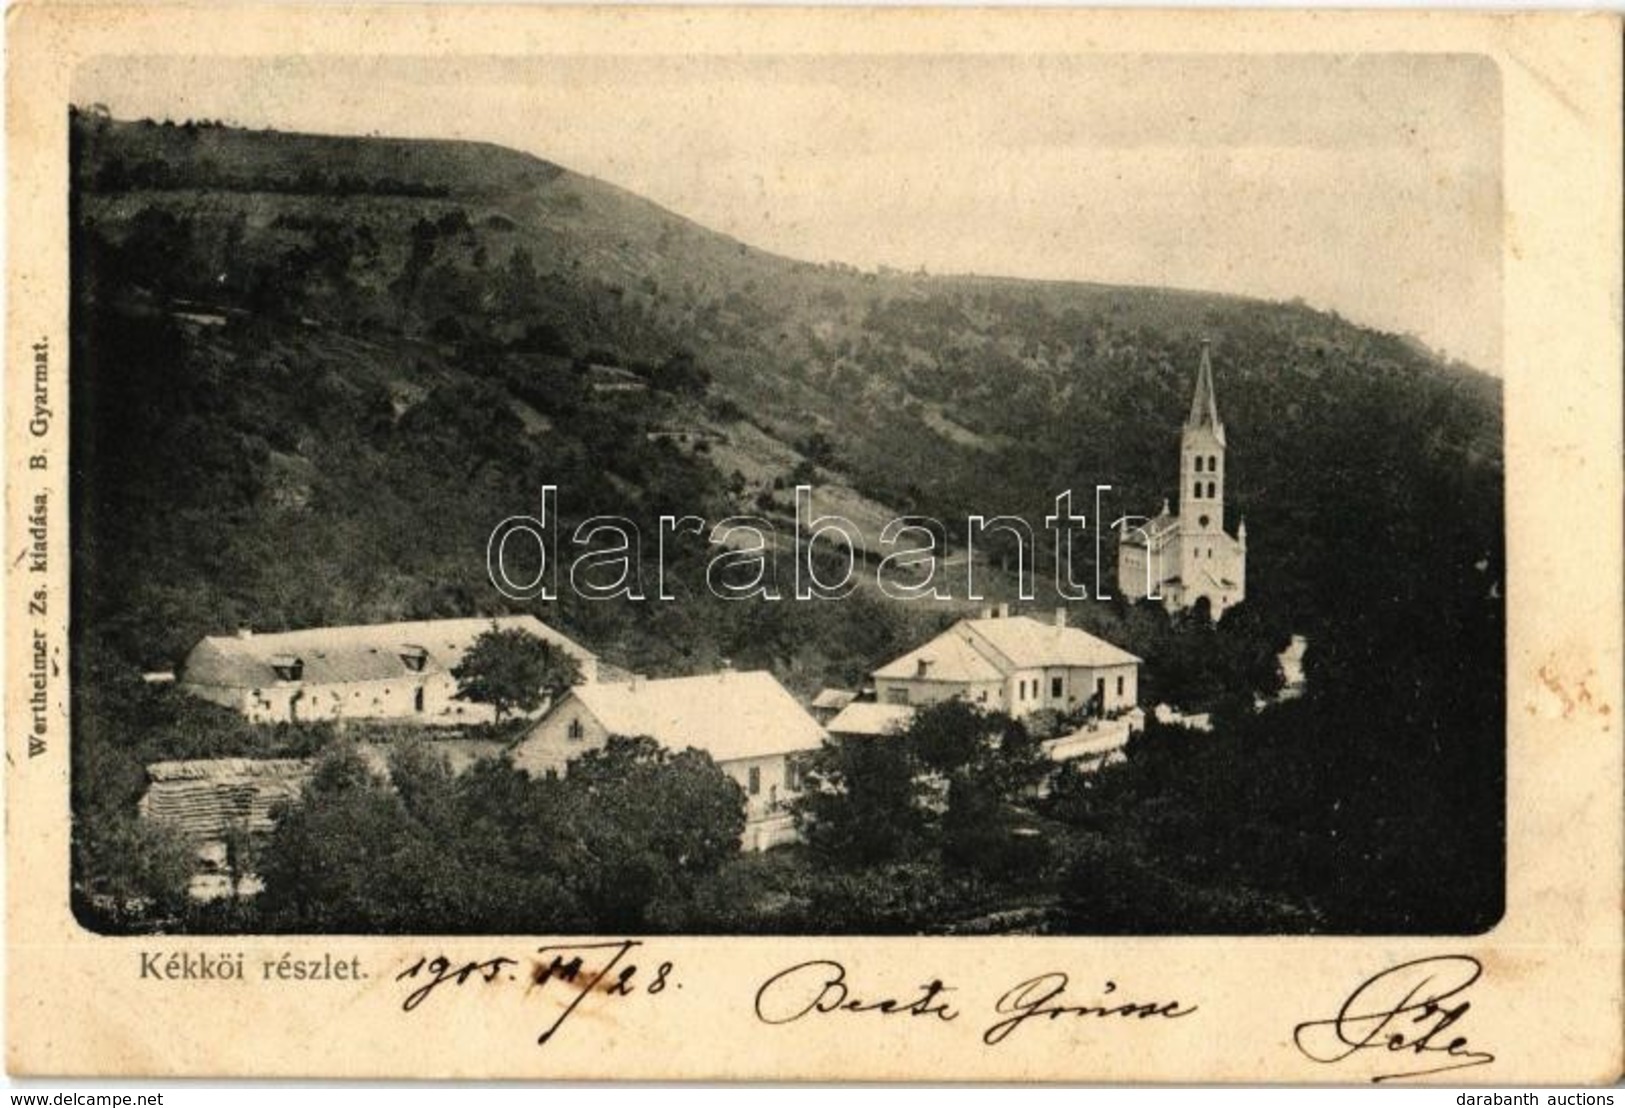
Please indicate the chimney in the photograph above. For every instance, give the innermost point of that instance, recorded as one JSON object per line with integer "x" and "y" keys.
{"x": 636, "y": 682}
{"x": 987, "y": 611}
{"x": 1060, "y": 617}
{"x": 244, "y": 631}
{"x": 1004, "y": 611}
{"x": 922, "y": 667}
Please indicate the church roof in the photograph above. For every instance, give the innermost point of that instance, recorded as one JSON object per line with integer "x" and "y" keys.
{"x": 1153, "y": 532}
{"x": 1204, "y": 405}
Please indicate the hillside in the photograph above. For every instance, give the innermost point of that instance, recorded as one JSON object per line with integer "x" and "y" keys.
{"x": 950, "y": 395}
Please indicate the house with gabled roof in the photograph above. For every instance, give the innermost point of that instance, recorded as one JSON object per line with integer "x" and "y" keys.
{"x": 371, "y": 671}
{"x": 747, "y": 722}
{"x": 1017, "y": 665}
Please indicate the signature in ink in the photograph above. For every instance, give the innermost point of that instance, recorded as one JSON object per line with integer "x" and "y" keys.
{"x": 1411, "y": 1010}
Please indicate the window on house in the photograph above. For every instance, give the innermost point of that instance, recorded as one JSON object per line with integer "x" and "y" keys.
{"x": 1119, "y": 685}
{"x": 1210, "y": 490}
{"x": 1055, "y": 688}
{"x": 1198, "y": 463}
{"x": 755, "y": 780}
{"x": 576, "y": 730}
{"x": 1196, "y": 493}
{"x": 1213, "y": 463}
{"x": 896, "y": 695}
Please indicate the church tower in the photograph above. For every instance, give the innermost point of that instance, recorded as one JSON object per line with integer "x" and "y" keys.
{"x": 1212, "y": 565}
{"x": 1202, "y": 465}
{"x": 1187, "y": 558}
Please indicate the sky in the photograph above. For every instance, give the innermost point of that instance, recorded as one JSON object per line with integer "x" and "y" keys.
{"x": 1369, "y": 185}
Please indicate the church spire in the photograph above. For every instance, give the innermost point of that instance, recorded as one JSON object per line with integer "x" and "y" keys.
{"x": 1204, "y": 406}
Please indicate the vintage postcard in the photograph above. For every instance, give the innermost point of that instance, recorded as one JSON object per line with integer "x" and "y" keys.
{"x": 813, "y": 545}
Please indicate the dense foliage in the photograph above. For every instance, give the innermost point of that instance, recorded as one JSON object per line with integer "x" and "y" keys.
{"x": 513, "y": 669}
{"x": 610, "y": 846}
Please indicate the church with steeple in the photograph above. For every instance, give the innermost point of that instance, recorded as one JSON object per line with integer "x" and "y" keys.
{"x": 1181, "y": 559}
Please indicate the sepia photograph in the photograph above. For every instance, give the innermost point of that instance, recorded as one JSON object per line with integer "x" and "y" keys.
{"x": 1073, "y": 512}
{"x": 1086, "y": 547}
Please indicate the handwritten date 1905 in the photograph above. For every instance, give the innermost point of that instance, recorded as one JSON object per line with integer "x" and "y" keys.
{"x": 586, "y": 967}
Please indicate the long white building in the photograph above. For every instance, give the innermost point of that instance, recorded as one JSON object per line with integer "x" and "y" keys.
{"x": 371, "y": 671}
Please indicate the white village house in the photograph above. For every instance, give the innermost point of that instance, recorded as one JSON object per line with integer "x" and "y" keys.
{"x": 753, "y": 729}
{"x": 1184, "y": 558}
{"x": 1014, "y": 664}
{"x": 372, "y": 671}
{"x": 1017, "y": 665}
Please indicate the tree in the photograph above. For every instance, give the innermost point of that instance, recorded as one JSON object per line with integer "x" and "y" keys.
{"x": 651, "y": 821}
{"x": 241, "y": 855}
{"x": 681, "y": 374}
{"x": 422, "y": 778}
{"x": 989, "y": 762}
{"x": 327, "y": 864}
{"x": 511, "y": 668}
{"x": 965, "y": 743}
{"x": 863, "y": 802}
{"x": 129, "y": 871}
